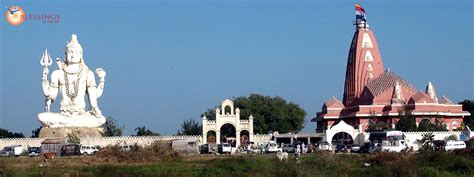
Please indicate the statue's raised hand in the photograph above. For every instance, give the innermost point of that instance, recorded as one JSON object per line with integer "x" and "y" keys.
{"x": 45, "y": 73}
{"x": 100, "y": 72}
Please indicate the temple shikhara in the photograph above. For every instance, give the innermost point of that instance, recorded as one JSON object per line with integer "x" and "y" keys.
{"x": 373, "y": 92}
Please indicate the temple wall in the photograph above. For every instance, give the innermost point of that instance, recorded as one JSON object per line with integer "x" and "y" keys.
{"x": 105, "y": 141}
{"x": 100, "y": 141}
{"x": 261, "y": 138}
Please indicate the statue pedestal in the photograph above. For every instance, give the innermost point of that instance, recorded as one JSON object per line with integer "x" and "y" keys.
{"x": 47, "y": 132}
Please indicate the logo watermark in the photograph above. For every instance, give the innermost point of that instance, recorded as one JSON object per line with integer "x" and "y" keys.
{"x": 15, "y": 15}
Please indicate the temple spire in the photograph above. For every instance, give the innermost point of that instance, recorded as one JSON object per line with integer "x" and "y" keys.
{"x": 431, "y": 92}
{"x": 364, "y": 62}
{"x": 397, "y": 97}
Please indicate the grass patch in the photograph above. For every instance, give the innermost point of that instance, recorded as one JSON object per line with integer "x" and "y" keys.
{"x": 315, "y": 164}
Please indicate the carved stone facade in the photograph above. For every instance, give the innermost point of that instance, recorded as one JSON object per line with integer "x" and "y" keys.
{"x": 225, "y": 116}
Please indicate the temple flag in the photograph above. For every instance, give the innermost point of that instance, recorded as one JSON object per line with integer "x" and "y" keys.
{"x": 359, "y": 11}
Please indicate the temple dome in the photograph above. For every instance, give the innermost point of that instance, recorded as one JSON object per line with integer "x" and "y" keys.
{"x": 387, "y": 81}
{"x": 420, "y": 97}
{"x": 333, "y": 103}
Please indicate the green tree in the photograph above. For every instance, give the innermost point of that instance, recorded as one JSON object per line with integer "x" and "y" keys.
{"x": 112, "y": 128}
{"x": 35, "y": 132}
{"x": 406, "y": 122}
{"x": 73, "y": 137}
{"x": 427, "y": 125}
{"x": 270, "y": 113}
{"x": 468, "y": 105}
{"x": 4, "y": 133}
{"x": 426, "y": 137}
{"x": 424, "y": 125}
{"x": 210, "y": 114}
{"x": 374, "y": 125}
{"x": 143, "y": 131}
{"x": 438, "y": 125}
{"x": 451, "y": 137}
{"x": 190, "y": 127}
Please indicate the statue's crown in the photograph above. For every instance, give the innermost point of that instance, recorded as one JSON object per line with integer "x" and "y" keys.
{"x": 74, "y": 43}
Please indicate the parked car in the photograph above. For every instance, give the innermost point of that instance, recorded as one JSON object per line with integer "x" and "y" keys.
{"x": 394, "y": 146}
{"x": 288, "y": 148}
{"x": 355, "y": 148}
{"x": 454, "y": 145}
{"x": 204, "y": 149}
{"x": 370, "y": 147}
{"x": 14, "y": 150}
{"x": 340, "y": 147}
{"x": 70, "y": 150}
{"x": 438, "y": 145}
{"x": 272, "y": 147}
{"x": 34, "y": 151}
{"x": 325, "y": 146}
{"x": 225, "y": 148}
{"x": 88, "y": 149}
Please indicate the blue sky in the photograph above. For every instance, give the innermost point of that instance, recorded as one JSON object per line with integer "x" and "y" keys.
{"x": 167, "y": 61}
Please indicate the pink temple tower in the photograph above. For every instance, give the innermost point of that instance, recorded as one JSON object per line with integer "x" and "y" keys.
{"x": 364, "y": 62}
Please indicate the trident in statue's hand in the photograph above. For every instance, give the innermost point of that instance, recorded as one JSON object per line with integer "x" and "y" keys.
{"x": 46, "y": 61}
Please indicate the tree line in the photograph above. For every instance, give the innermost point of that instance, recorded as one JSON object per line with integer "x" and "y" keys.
{"x": 270, "y": 114}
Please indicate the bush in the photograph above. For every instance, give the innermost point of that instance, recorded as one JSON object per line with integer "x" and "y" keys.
{"x": 156, "y": 152}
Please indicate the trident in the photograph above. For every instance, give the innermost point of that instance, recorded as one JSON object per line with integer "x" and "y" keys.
{"x": 46, "y": 59}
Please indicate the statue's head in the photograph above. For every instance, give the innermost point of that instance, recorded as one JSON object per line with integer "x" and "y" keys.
{"x": 73, "y": 51}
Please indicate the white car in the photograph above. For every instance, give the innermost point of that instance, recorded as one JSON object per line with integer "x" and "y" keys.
{"x": 14, "y": 150}
{"x": 453, "y": 145}
{"x": 324, "y": 146}
{"x": 34, "y": 151}
{"x": 272, "y": 147}
{"x": 88, "y": 149}
{"x": 225, "y": 148}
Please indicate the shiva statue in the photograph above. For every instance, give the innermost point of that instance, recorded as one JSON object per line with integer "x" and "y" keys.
{"x": 75, "y": 82}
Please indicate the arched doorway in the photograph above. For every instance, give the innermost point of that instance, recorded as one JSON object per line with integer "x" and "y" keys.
{"x": 244, "y": 138}
{"x": 343, "y": 137}
{"x": 228, "y": 134}
{"x": 211, "y": 137}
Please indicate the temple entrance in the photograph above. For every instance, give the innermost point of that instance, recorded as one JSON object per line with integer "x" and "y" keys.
{"x": 211, "y": 137}
{"x": 228, "y": 127}
{"x": 228, "y": 134}
{"x": 343, "y": 137}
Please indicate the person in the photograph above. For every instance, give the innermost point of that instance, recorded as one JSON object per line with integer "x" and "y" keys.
{"x": 298, "y": 151}
{"x": 303, "y": 148}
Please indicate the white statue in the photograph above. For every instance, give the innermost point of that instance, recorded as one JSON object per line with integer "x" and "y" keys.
{"x": 74, "y": 81}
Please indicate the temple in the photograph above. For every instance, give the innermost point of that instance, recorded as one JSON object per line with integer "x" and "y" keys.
{"x": 371, "y": 92}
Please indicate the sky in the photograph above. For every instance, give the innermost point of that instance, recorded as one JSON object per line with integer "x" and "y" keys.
{"x": 168, "y": 61}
